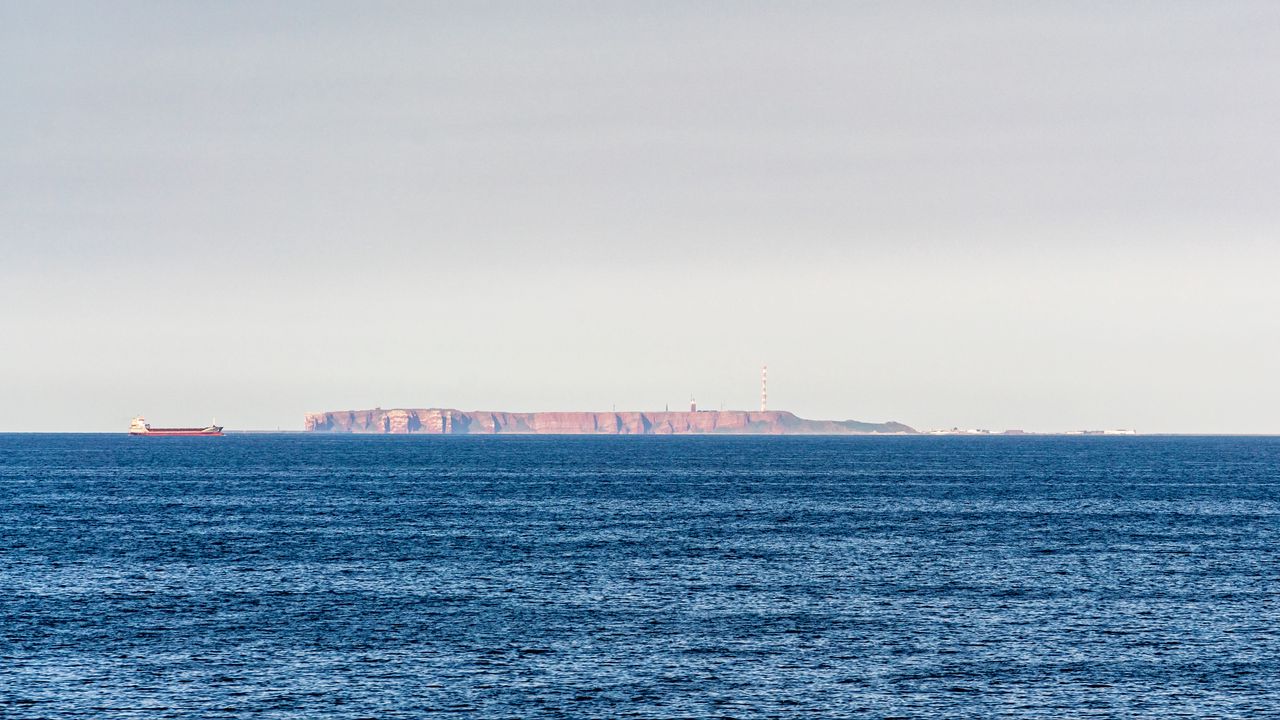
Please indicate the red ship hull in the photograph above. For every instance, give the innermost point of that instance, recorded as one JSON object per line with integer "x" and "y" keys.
{"x": 178, "y": 432}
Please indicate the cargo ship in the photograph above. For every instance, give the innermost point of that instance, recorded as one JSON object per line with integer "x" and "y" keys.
{"x": 140, "y": 426}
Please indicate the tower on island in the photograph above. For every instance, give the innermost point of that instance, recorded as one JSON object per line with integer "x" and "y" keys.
{"x": 764, "y": 388}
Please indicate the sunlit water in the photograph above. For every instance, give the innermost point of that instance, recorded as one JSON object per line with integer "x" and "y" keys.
{"x": 296, "y": 576}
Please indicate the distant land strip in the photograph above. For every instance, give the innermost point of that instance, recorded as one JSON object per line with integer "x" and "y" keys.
{"x": 444, "y": 421}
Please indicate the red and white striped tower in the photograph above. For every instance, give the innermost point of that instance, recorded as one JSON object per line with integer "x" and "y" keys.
{"x": 764, "y": 388}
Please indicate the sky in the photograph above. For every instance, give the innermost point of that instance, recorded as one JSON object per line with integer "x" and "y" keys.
{"x": 1046, "y": 216}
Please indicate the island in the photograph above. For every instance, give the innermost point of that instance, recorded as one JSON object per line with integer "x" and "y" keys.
{"x": 446, "y": 421}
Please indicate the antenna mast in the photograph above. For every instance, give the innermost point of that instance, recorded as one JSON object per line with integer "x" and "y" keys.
{"x": 764, "y": 388}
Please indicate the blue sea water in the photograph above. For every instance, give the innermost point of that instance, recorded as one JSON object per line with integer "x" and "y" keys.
{"x": 304, "y": 576}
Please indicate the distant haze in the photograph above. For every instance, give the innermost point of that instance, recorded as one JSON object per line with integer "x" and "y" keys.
{"x": 1005, "y": 215}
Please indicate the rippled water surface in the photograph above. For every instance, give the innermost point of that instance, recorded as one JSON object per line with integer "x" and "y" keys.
{"x": 293, "y": 576}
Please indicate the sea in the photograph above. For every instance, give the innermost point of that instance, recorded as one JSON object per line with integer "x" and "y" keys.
{"x": 346, "y": 576}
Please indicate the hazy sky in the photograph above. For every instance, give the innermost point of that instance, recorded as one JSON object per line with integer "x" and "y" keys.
{"x": 1035, "y": 215}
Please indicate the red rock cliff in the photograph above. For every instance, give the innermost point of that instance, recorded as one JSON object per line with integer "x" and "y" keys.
{"x": 458, "y": 422}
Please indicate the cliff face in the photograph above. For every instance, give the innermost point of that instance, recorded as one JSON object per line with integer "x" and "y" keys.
{"x": 458, "y": 422}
